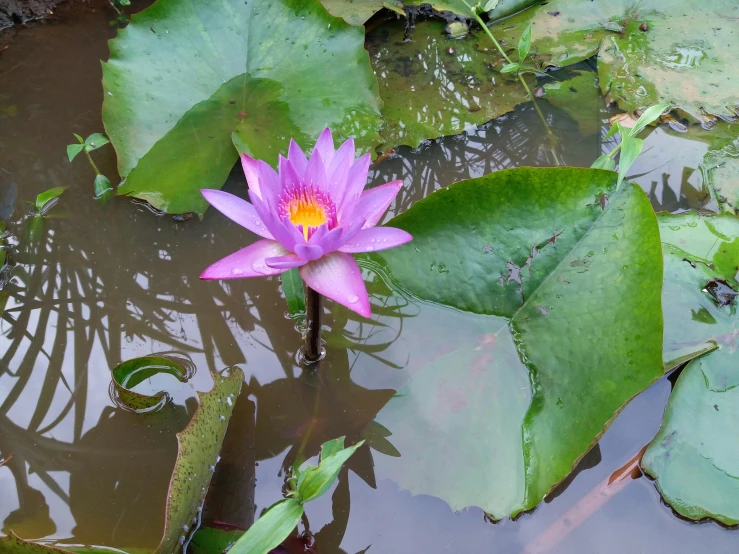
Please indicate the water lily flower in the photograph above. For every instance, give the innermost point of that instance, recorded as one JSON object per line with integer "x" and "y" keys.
{"x": 312, "y": 214}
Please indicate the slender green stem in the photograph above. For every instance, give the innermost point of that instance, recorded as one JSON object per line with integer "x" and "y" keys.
{"x": 89, "y": 159}
{"x": 505, "y": 56}
{"x": 612, "y": 153}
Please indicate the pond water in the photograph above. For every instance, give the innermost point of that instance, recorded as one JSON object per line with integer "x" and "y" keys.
{"x": 108, "y": 283}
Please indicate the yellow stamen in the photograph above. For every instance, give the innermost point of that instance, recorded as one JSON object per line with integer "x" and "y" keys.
{"x": 306, "y": 211}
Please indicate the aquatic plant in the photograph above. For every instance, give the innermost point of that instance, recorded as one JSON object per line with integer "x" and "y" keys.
{"x": 93, "y": 142}
{"x": 311, "y": 214}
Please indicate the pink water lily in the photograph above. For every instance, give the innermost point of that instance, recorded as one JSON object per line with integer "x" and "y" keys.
{"x": 312, "y": 214}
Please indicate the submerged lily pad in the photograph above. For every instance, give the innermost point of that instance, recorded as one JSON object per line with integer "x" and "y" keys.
{"x": 127, "y": 375}
{"x": 577, "y": 331}
{"x": 11, "y": 544}
{"x": 580, "y": 97}
{"x": 695, "y": 456}
{"x": 671, "y": 51}
{"x": 188, "y": 79}
{"x": 433, "y": 86}
{"x": 701, "y": 256}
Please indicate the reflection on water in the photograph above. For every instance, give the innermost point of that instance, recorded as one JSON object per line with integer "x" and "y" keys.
{"x": 104, "y": 284}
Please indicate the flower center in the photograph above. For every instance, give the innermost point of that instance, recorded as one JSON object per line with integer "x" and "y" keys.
{"x": 308, "y": 209}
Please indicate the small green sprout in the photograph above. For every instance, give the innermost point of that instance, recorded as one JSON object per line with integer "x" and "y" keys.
{"x": 93, "y": 142}
{"x": 630, "y": 146}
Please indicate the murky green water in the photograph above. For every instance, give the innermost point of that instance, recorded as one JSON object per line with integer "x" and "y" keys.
{"x": 109, "y": 283}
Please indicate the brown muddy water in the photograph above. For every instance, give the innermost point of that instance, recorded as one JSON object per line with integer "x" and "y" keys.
{"x": 109, "y": 283}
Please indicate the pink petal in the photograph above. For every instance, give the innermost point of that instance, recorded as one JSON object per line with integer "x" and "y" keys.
{"x": 289, "y": 177}
{"x": 269, "y": 185}
{"x": 284, "y": 233}
{"x": 328, "y": 241}
{"x": 237, "y": 210}
{"x": 338, "y": 171}
{"x": 355, "y": 182}
{"x": 251, "y": 171}
{"x": 297, "y": 157}
{"x": 287, "y": 261}
{"x": 247, "y": 262}
{"x": 309, "y": 252}
{"x": 337, "y": 276}
{"x": 324, "y": 146}
{"x": 315, "y": 172}
{"x": 376, "y": 238}
{"x": 373, "y": 202}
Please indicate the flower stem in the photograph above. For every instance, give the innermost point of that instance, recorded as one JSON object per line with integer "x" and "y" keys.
{"x": 313, "y": 350}
{"x": 479, "y": 20}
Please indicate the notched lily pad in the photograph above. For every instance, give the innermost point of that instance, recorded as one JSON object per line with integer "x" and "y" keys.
{"x": 562, "y": 353}
{"x": 189, "y": 79}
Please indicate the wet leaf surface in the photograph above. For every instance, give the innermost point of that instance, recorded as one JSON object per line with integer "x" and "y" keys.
{"x": 186, "y": 81}
{"x": 356, "y": 12}
{"x": 127, "y": 375}
{"x": 198, "y": 447}
{"x": 701, "y": 257}
{"x": 663, "y": 51}
{"x": 721, "y": 168}
{"x": 695, "y": 456}
{"x": 433, "y": 86}
{"x": 11, "y": 544}
{"x": 575, "y": 291}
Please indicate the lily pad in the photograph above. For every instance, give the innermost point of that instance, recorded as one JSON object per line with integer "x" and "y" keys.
{"x": 695, "y": 456}
{"x": 648, "y": 53}
{"x": 580, "y": 97}
{"x": 127, "y": 375}
{"x": 701, "y": 256}
{"x": 198, "y": 447}
{"x": 188, "y": 79}
{"x": 11, "y": 544}
{"x": 433, "y": 86}
{"x": 577, "y": 331}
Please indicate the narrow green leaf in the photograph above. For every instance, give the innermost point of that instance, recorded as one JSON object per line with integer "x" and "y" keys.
{"x": 47, "y": 196}
{"x": 95, "y": 141}
{"x": 510, "y": 68}
{"x": 604, "y": 162}
{"x": 612, "y": 131}
{"x": 102, "y": 185}
{"x": 79, "y": 138}
{"x": 332, "y": 447}
{"x": 524, "y": 44}
{"x": 490, "y": 5}
{"x": 650, "y": 115}
{"x": 73, "y": 150}
{"x": 318, "y": 480}
{"x": 631, "y": 147}
{"x": 292, "y": 288}
{"x": 271, "y": 529}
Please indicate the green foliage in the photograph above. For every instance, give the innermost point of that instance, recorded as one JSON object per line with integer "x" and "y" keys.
{"x": 532, "y": 248}
{"x": 292, "y": 288}
{"x": 306, "y": 484}
{"x": 127, "y": 375}
{"x": 630, "y": 146}
{"x": 102, "y": 184}
{"x": 47, "y": 199}
{"x": 524, "y": 44}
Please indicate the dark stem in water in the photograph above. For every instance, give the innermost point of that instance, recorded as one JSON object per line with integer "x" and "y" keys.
{"x": 313, "y": 350}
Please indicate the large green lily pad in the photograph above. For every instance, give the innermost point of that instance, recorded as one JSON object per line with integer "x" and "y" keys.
{"x": 188, "y": 79}
{"x": 695, "y": 456}
{"x": 701, "y": 256}
{"x": 671, "y": 51}
{"x": 433, "y": 86}
{"x": 576, "y": 332}
{"x": 580, "y": 97}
